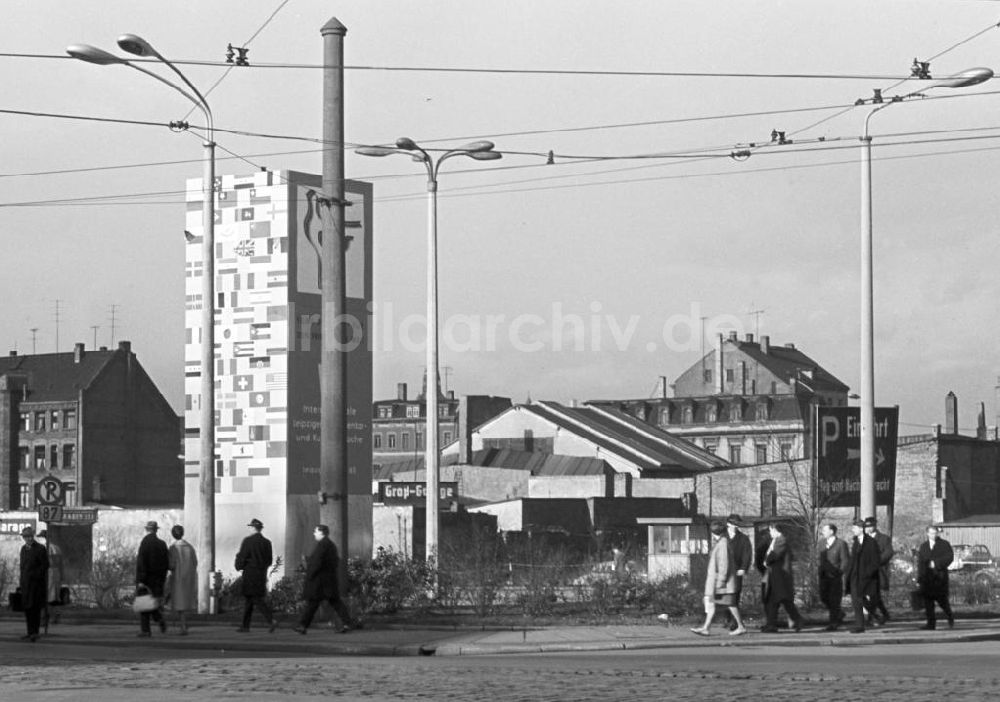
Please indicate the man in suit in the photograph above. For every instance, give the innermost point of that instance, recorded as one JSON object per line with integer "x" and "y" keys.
{"x": 151, "y": 566}
{"x": 933, "y": 558}
{"x": 742, "y": 553}
{"x": 834, "y": 560}
{"x": 862, "y": 576}
{"x": 878, "y": 611}
{"x": 321, "y": 582}
{"x": 779, "y": 588}
{"x": 33, "y": 582}
{"x": 254, "y": 559}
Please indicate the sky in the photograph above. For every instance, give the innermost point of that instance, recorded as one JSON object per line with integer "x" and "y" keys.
{"x": 590, "y": 277}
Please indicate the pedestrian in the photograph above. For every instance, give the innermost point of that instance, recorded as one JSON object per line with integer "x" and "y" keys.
{"x": 33, "y": 583}
{"x": 862, "y": 576}
{"x": 254, "y": 559}
{"x": 742, "y": 552}
{"x": 834, "y": 560}
{"x": 53, "y": 592}
{"x": 321, "y": 582}
{"x": 720, "y": 582}
{"x": 878, "y": 613}
{"x": 933, "y": 558}
{"x": 183, "y": 577}
{"x": 151, "y": 566}
{"x": 779, "y": 587}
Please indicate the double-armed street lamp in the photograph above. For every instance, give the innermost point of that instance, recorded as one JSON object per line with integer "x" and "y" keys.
{"x": 972, "y": 76}
{"x": 140, "y": 47}
{"x": 480, "y": 151}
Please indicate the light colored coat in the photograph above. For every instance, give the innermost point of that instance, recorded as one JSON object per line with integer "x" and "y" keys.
{"x": 721, "y": 576}
{"x": 183, "y": 585}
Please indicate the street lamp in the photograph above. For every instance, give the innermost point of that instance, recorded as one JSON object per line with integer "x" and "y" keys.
{"x": 480, "y": 151}
{"x": 140, "y": 47}
{"x": 972, "y": 76}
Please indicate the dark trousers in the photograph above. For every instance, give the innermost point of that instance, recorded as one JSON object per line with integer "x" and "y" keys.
{"x": 338, "y": 606}
{"x": 771, "y": 611}
{"x": 860, "y": 602}
{"x": 33, "y": 619}
{"x": 831, "y": 593}
{"x": 941, "y": 598}
{"x": 249, "y": 602}
{"x": 145, "y": 617}
{"x": 877, "y": 605}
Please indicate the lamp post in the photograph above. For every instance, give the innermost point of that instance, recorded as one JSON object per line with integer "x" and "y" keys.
{"x": 480, "y": 151}
{"x": 972, "y": 76}
{"x": 206, "y": 484}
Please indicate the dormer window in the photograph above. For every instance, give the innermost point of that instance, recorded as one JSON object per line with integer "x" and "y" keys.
{"x": 736, "y": 411}
{"x": 712, "y": 412}
{"x": 762, "y": 411}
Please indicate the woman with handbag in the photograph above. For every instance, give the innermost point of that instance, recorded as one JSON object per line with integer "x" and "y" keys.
{"x": 721, "y": 586}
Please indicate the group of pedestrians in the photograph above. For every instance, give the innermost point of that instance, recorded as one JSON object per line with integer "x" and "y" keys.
{"x": 859, "y": 568}
{"x": 170, "y": 577}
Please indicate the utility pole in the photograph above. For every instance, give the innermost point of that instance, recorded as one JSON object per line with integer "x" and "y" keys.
{"x": 333, "y": 508}
{"x": 114, "y": 308}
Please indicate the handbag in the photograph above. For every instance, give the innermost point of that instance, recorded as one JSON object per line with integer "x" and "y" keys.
{"x": 15, "y": 601}
{"x": 144, "y": 601}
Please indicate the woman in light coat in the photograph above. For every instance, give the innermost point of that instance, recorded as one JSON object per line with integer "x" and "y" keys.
{"x": 183, "y": 583}
{"x": 721, "y": 586}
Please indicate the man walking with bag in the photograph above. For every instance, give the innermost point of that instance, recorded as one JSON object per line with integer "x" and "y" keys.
{"x": 151, "y": 566}
{"x": 254, "y": 559}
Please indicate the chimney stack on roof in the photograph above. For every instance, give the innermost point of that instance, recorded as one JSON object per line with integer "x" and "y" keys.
{"x": 14, "y": 352}
{"x": 733, "y": 336}
{"x": 790, "y": 345}
{"x": 77, "y": 352}
{"x": 749, "y": 338}
{"x": 401, "y": 391}
{"x": 950, "y": 413}
{"x": 765, "y": 344}
{"x": 125, "y": 346}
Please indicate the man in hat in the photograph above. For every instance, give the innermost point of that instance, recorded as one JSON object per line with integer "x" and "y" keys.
{"x": 741, "y": 552}
{"x": 834, "y": 560}
{"x": 862, "y": 575}
{"x": 878, "y": 611}
{"x": 254, "y": 559}
{"x": 933, "y": 558}
{"x": 322, "y": 582}
{"x": 151, "y": 566}
{"x": 33, "y": 583}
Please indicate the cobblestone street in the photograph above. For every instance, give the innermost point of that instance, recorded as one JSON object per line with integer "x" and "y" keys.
{"x": 915, "y": 674}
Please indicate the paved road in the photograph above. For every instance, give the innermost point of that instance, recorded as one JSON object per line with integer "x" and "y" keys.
{"x": 914, "y": 673}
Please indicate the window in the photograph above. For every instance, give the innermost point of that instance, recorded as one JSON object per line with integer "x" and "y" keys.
{"x": 70, "y": 492}
{"x": 384, "y": 412}
{"x": 25, "y": 458}
{"x": 405, "y": 440}
{"x": 25, "y": 496}
{"x": 736, "y": 411}
{"x": 391, "y": 439}
{"x": 711, "y": 412}
{"x": 676, "y": 539}
{"x": 768, "y": 498}
{"x": 39, "y": 421}
{"x": 25, "y": 423}
{"x": 442, "y": 410}
{"x": 712, "y": 447}
{"x": 418, "y": 442}
{"x": 377, "y": 441}
{"x": 69, "y": 456}
{"x": 54, "y": 423}
{"x": 69, "y": 419}
{"x": 447, "y": 438}
{"x": 762, "y": 412}
{"x": 412, "y": 411}
{"x": 664, "y": 416}
{"x": 54, "y": 456}
{"x": 706, "y": 375}
{"x": 786, "y": 451}
{"x": 687, "y": 417}
{"x": 40, "y": 458}
{"x": 735, "y": 454}
{"x": 760, "y": 453}
{"x": 774, "y": 388}
{"x": 729, "y": 375}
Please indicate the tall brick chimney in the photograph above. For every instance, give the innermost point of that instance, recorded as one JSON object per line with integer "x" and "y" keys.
{"x": 464, "y": 431}
{"x": 401, "y": 391}
{"x": 720, "y": 368}
{"x": 950, "y": 413}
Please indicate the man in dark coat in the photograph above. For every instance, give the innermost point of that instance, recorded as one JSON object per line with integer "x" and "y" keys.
{"x": 321, "y": 583}
{"x": 742, "y": 554}
{"x": 151, "y": 566}
{"x": 779, "y": 588}
{"x": 862, "y": 576}
{"x": 254, "y": 559}
{"x": 933, "y": 558}
{"x": 834, "y": 560}
{"x": 33, "y": 583}
{"x": 878, "y": 611}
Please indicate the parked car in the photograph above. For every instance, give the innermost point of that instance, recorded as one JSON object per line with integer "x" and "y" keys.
{"x": 974, "y": 557}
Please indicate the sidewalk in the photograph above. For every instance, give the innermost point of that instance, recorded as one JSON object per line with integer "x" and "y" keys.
{"x": 414, "y": 641}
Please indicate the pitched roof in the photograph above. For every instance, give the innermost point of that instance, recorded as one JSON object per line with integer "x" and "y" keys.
{"x": 788, "y": 363}
{"x": 56, "y": 377}
{"x": 652, "y": 449}
{"x": 537, "y": 463}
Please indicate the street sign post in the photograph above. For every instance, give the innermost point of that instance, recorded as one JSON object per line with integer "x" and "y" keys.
{"x": 838, "y": 456}
{"x": 50, "y": 513}
{"x": 50, "y": 490}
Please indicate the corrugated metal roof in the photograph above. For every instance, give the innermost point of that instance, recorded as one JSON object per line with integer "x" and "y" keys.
{"x": 533, "y": 461}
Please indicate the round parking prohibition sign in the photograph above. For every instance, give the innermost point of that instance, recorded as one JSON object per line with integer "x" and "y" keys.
{"x": 50, "y": 491}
